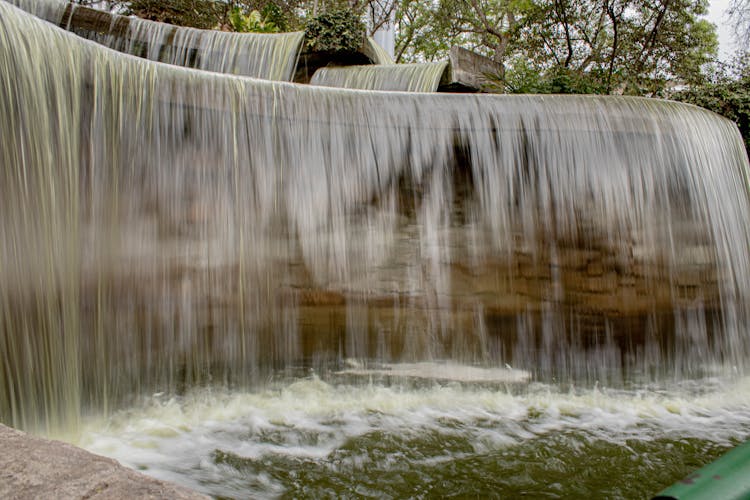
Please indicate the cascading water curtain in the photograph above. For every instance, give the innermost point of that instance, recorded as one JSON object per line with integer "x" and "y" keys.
{"x": 164, "y": 228}
{"x": 271, "y": 56}
{"x": 421, "y": 77}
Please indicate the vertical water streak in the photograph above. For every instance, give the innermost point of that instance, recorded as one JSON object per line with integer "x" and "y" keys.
{"x": 376, "y": 53}
{"x": 40, "y": 269}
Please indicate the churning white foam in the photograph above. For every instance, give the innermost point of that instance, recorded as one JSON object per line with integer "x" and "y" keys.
{"x": 308, "y": 419}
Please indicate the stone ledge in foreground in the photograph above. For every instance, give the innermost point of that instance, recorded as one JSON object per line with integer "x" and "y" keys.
{"x": 32, "y": 467}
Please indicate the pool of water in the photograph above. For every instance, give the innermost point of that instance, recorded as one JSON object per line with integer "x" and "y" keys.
{"x": 396, "y": 437}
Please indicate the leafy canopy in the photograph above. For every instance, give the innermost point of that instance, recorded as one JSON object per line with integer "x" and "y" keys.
{"x": 728, "y": 94}
{"x": 338, "y": 30}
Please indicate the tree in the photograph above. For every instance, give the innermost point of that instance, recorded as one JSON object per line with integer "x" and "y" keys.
{"x": 621, "y": 46}
{"x": 490, "y": 27}
{"x": 728, "y": 94}
{"x": 253, "y": 15}
{"x": 639, "y": 47}
{"x": 230, "y": 15}
{"x": 415, "y": 38}
{"x": 739, "y": 12}
{"x": 194, "y": 13}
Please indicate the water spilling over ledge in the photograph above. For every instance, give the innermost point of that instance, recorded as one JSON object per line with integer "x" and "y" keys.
{"x": 418, "y": 77}
{"x": 164, "y": 228}
{"x": 259, "y": 55}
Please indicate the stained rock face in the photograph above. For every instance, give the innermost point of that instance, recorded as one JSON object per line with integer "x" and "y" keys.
{"x": 32, "y": 467}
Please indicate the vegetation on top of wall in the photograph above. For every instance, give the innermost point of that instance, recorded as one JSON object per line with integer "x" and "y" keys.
{"x": 337, "y": 30}
{"x": 728, "y": 94}
{"x": 272, "y": 13}
{"x": 525, "y": 79}
{"x": 194, "y": 13}
{"x": 252, "y": 22}
{"x": 264, "y": 16}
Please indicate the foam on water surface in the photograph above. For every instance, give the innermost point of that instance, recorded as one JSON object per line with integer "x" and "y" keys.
{"x": 236, "y": 444}
{"x": 438, "y": 371}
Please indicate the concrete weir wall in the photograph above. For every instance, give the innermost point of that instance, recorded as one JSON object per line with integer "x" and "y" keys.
{"x": 32, "y": 467}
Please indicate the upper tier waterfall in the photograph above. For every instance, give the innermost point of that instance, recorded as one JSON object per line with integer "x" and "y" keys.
{"x": 271, "y": 56}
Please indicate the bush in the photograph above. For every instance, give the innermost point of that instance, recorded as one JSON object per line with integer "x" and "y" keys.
{"x": 338, "y": 30}
{"x": 521, "y": 78}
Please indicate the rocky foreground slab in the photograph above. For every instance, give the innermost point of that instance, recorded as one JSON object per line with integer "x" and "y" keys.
{"x": 32, "y": 467}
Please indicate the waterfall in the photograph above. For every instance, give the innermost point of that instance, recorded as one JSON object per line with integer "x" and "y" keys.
{"x": 418, "y": 77}
{"x": 376, "y": 53}
{"x": 164, "y": 228}
{"x": 260, "y": 55}
{"x": 49, "y": 10}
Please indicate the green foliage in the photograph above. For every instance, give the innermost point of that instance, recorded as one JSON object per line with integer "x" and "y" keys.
{"x": 337, "y": 30}
{"x": 522, "y": 78}
{"x": 562, "y": 80}
{"x": 203, "y": 14}
{"x": 637, "y": 47}
{"x": 273, "y": 14}
{"x": 581, "y": 46}
{"x": 623, "y": 46}
{"x": 427, "y": 30}
{"x": 728, "y": 95}
{"x": 286, "y": 15}
{"x": 233, "y": 15}
{"x": 419, "y": 36}
{"x": 253, "y": 22}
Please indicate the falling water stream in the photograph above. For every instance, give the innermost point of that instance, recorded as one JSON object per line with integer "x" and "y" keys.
{"x": 260, "y": 55}
{"x": 258, "y": 288}
{"x": 417, "y": 77}
{"x": 376, "y": 53}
